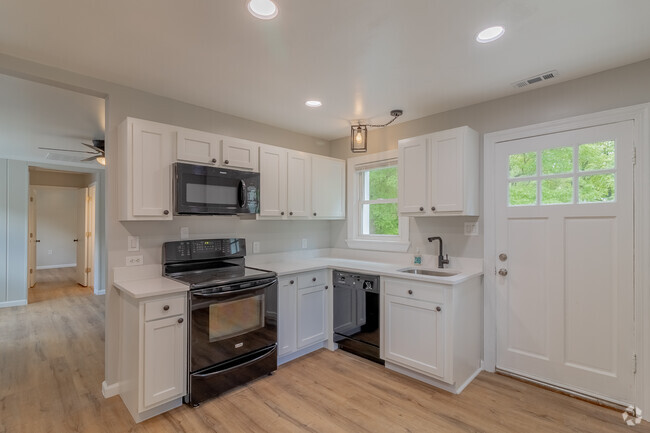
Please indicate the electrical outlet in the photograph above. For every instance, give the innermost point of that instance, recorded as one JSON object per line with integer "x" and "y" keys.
{"x": 471, "y": 229}
{"x": 49, "y": 252}
{"x": 185, "y": 233}
{"x": 133, "y": 243}
{"x": 304, "y": 243}
{"x": 256, "y": 247}
{"x": 134, "y": 260}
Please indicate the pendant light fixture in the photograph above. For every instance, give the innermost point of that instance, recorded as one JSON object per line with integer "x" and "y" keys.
{"x": 359, "y": 133}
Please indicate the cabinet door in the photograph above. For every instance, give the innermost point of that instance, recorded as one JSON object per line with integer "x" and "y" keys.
{"x": 447, "y": 177}
{"x": 151, "y": 176}
{"x": 299, "y": 182}
{"x": 198, "y": 147}
{"x": 164, "y": 360}
{"x": 273, "y": 181}
{"x": 287, "y": 320}
{"x": 312, "y": 309}
{"x": 412, "y": 169}
{"x": 239, "y": 154}
{"x": 327, "y": 187}
{"x": 415, "y": 334}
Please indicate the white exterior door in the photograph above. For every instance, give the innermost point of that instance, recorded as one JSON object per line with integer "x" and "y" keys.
{"x": 81, "y": 239}
{"x": 564, "y": 230}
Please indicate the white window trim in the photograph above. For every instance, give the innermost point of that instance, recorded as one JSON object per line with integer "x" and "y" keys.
{"x": 355, "y": 240}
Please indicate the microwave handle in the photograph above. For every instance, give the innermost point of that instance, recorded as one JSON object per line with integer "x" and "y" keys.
{"x": 243, "y": 200}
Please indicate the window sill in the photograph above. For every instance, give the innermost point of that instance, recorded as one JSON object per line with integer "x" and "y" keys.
{"x": 363, "y": 244}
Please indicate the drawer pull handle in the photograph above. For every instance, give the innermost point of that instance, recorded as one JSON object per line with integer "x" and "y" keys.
{"x": 410, "y": 292}
{"x": 166, "y": 307}
{"x": 180, "y": 320}
{"x": 226, "y": 162}
{"x": 433, "y": 208}
{"x": 314, "y": 279}
{"x": 282, "y": 213}
{"x": 314, "y": 213}
{"x": 214, "y": 160}
{"x": 290, "y": 213}
{"x": 438, "y": 309}
{"x": 421, "y": 208}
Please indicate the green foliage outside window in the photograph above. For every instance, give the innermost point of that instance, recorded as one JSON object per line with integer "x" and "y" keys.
{"x": 384, "y": 219}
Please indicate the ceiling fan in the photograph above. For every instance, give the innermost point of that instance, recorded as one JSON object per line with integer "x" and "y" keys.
{"x": 97, "y": 153}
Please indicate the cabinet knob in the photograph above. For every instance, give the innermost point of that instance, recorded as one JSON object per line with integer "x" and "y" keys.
{"x": 410, "y": 292}
{"x": 290, "y": 213}
{"x": 327, "y": 287}
{"x": 421, "y": 208}
{"x": 282, "y": 213}
{"x": 291, "y": 282}
{"x": 180, "y": 320}
{"x": 433, "y": 208}
{"x": 166, "y": 212}
{"x": 214, "y": 160}
{"x": 314, "y": 213}
{"x": 438, "y": 309}
{"x": 166, "y": 307}
{"x": 226, "y": 162}
{"x": 314, "y": 279}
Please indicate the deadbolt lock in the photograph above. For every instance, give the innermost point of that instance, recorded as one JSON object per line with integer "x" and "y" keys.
{"x": 503, "y": 257}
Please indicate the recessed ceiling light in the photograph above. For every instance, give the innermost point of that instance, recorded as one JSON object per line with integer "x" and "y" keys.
{"x": 262, "y": 9}
{"x": 490, "y": 34}
{"x": 313, "y": 103}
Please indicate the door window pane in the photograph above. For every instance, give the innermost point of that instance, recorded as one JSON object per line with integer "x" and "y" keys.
{"x": 557, "y": 161}
{"x": 557, "y": 190}
{"x": 382, "y": 183}
{"x": 523, "y": 164}
{"x": 380, "y": 219}
{"x": 523, "y": 193}
{"x": 597, "y": 188}
{"x": 597, "y": 156}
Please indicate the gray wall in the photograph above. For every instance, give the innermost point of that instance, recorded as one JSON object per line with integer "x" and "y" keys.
{"x": 60, "y": 178}
{"x": 620, "y": 87}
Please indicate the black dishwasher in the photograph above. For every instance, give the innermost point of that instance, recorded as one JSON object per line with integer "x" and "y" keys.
{"x": 356, "y": 314}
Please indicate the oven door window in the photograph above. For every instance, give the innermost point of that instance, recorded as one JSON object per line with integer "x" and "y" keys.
{"x": 232, "y": 318}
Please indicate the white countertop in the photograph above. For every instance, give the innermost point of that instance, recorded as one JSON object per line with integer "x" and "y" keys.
{"x": 293, "y": 265}
{"x": 145, "y": 282}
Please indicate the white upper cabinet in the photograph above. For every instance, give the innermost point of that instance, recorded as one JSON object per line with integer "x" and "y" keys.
{"x": 197, "y": 147}
{"x": 438, "y": 173}
{"x": 327, "y": 187}
{"x": 145, "y": 156}
{"x": 273, "y": 181}
{"x": 412, "y": 175}
{"x": 298, "y": 184}
{"x": 239, "y": 154}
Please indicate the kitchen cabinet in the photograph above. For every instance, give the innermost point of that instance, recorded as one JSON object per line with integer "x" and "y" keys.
{"x": 287, "y": 315}
{"x": 433, "y": 332}
{"x": 197, "y": 147}
{"x": 327, "y": 188}
{"x": 153, "y": 364}
{"x": 312, "y": 315}
{"x": 285, "y": 180}
{"x": 144, "y": 170}
{"x": 438, "y": 173}
{"x": 239, "y": 154}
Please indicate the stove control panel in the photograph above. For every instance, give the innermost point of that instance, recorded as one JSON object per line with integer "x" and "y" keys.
{"x": 203, "y": 249}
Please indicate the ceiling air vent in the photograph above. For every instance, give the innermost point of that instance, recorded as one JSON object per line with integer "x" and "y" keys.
{"x": 536, "y": 79}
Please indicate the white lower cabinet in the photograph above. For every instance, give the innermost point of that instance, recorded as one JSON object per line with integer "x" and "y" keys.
{"x": 153, "y": 365}
{"x": 302, "y": 313}
{"x": 434, "y": 332}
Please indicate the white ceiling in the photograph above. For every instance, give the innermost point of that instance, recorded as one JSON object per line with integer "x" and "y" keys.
{"x": 362, "y": 58}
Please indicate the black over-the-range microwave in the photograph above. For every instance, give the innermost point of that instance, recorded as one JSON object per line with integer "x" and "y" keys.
{"x": 203, "y": 190}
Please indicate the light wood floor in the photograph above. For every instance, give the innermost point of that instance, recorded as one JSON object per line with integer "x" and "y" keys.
{"x": 55, "y": 283}
{"x": 52, "y": 366}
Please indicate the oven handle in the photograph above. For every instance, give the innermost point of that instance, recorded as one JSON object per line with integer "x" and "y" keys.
{"x": 230, "y": 292}
{"x": 259, "y": 358}
{"x": 243, "y": 199}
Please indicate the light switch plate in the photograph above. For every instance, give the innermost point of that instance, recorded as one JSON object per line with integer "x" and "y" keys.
{"x": 256, "y": 247}
{"x": 134, "y": 260}
{"x": 133, "y": 243}
{"x": 471, "y": 229}
{"x": 185, "y": 233}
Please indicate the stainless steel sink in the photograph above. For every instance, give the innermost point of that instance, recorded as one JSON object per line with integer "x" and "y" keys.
{"x": 429, "y": 272}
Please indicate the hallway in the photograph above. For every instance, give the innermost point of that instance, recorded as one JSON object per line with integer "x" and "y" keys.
{"x": 56, "y": 283}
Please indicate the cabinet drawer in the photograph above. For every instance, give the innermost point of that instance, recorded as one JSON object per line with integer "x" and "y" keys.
{"x": 310, "y": 279}
{"x": 415, "y": 290}
{"x": 164, "y": 308}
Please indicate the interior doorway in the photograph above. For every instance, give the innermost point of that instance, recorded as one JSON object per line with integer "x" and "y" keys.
{"x": 61, "y": 238}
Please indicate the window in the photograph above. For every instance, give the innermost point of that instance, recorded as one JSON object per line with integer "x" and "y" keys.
{"x": 585, "y": 173}
{"x": 374, "y": 221}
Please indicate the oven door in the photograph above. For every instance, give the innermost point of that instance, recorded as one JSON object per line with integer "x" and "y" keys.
{"x": 201, "y": 190}
{"x": 225, "y": 324}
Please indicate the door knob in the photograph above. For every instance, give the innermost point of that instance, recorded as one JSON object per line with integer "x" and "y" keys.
{"x": 503, "y": 257}
{"x": 74, "y": 240}
{"x": 503, "y": 272}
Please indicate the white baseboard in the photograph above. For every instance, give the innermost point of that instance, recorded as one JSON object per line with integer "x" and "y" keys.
{"x": 431, "y": 381}
{"x": 68, "y": 265}
{"x": 302, "y": 352}
{"x": 13, "y": 303}
{"x": 100, "y": 292}
{"x": 109, "y": 391}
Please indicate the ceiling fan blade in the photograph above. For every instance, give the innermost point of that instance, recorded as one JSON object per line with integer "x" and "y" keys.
{"x": 64, "y": 150}
{"x": 91, "y": 158}
{"x": 96, "y": 149}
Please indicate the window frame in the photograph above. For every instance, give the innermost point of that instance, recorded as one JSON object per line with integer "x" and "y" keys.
{"x": 356, "y": 239}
